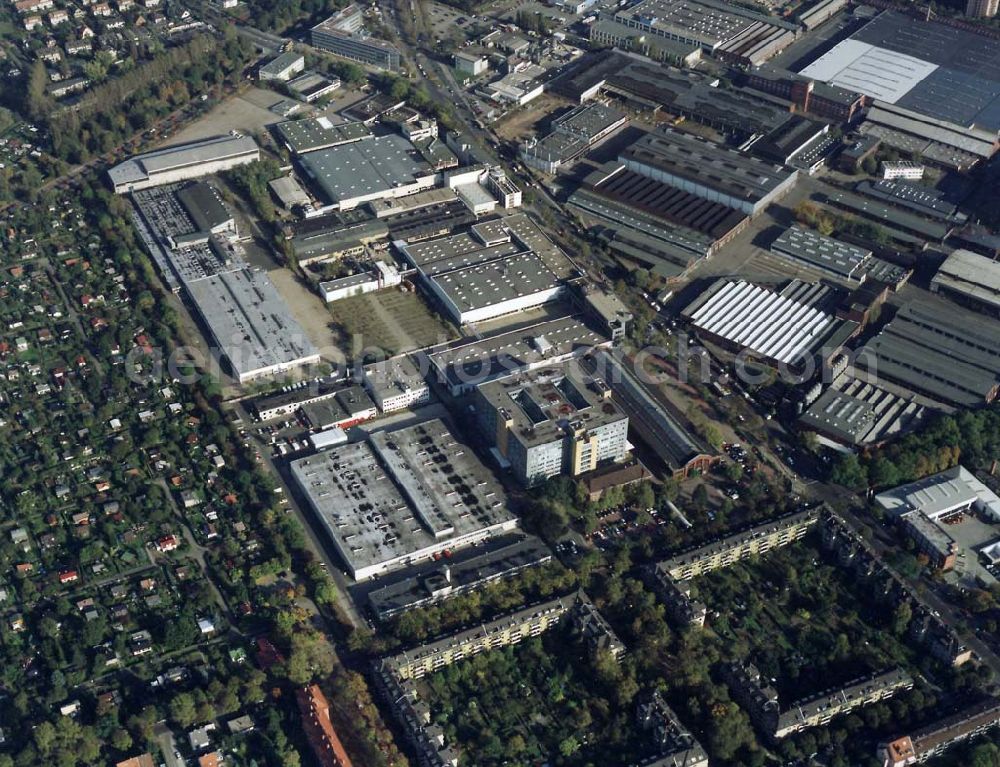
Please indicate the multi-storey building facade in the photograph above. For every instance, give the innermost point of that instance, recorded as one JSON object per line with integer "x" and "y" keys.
{"x": 755, "y": 541}
{"x": 552, "y": 423}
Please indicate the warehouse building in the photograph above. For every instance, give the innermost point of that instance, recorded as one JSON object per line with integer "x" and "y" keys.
{"x": 464, "y": 366}
{"x": 825, "y": 254}
{"x": 919, "y": 199}
{"x": 496, "y": 268}
{"x": 381, "y": 275}
{"x": 710, "y": 171}
{"x": 854, "y": 412}
{"x": 780, "y": 328}
{"x": 645, "y": 85}
{"x": 732, "y": 33}
{"x": 188, "y": 231}
{"x": 344, "y": 34}
{"x": 289, "y": 193}
{"x": 799, "y": 143}
{"x": 552, "y": 422}
{"x": 323, "y": 132}
{"x": 927, "y": 508}
{"x": 284, "y": 67}
{"x": 573, "y": 135}
{"x": 383, "y": 167}
{"x": 396, "y": 383}
{"x": 701, "y": 225}
{"x": 312, "y": 86}
{"x": 605, "y": 33}
{"x": 459, "y": 576}
{"x": 402, "y": 496}
{"x": 970, "y": 279}
{"x": 639, "y": 220}
{"x": 949, "y": 355}
{"x": 183, "y": 162}
{"x": 900, "y": 223}
{"x": 930, "y": 80}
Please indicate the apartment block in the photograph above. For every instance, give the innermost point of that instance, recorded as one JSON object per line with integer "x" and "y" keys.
{"x": 731, "y": 549}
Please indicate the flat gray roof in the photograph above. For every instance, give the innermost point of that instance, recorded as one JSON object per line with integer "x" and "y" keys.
{"x": 281, "y": 63}
{"x": 484, "y": 242}
{"x": 321, "y": 132}
{"x": 204, "y": 205}
{"x": 822, "y": 252}
{"x": 364, "y": 168}
{"x": 708, "y": 164}
{"x": 588, "y": 120}
{"x": 503, "y": 279}
{"x": 402, "y": 494}
{"x": 542, "y": 403}
{"x": 142, "y": 166}
{"x": 485, "y": 358}
{"x": 250, "y": 322}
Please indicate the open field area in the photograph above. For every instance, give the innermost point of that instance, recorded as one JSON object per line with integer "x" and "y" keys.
{"x": 247, "y": 112}
{"x": 393, "y": 321}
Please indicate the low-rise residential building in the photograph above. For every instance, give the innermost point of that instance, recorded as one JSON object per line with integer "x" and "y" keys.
{"x": 756, "y": 541}
{"x": 323, "y": 739}
{"x": 936, "y": 738}
{"x": 760, "y": 700}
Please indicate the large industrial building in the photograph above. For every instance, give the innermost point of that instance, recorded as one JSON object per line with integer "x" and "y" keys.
{"x": 188, "y": 231}
{"x": 552, "y": 422}
{"x": 710, "y": 171}
{"x": 929, "y": 81}
{"x": 402, "y": 496}
{"x": 458, "y": 576}
{"x": 951, "y": 356}
{"x": 779, "y": 327}
{"x": 573, "y": 134}
{"x": 463, "y": 367}
{"x": 732, "y": 33}
{"x": 344, "y": 34}
{"x": 496, "y": 268}
{"x": 648, "y": 86}
{"x": 350, "y": 174}
{"x": 183, "y": 162}
{"x": 926, "y": 508}
{"x": 854, "y": 412}
{"x": 825, "y": 254}
{"x": 323, "y": 132}
{"x": 971, "y": 279}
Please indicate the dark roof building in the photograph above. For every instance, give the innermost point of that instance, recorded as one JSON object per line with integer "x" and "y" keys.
{"x": 950, "y": 356}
